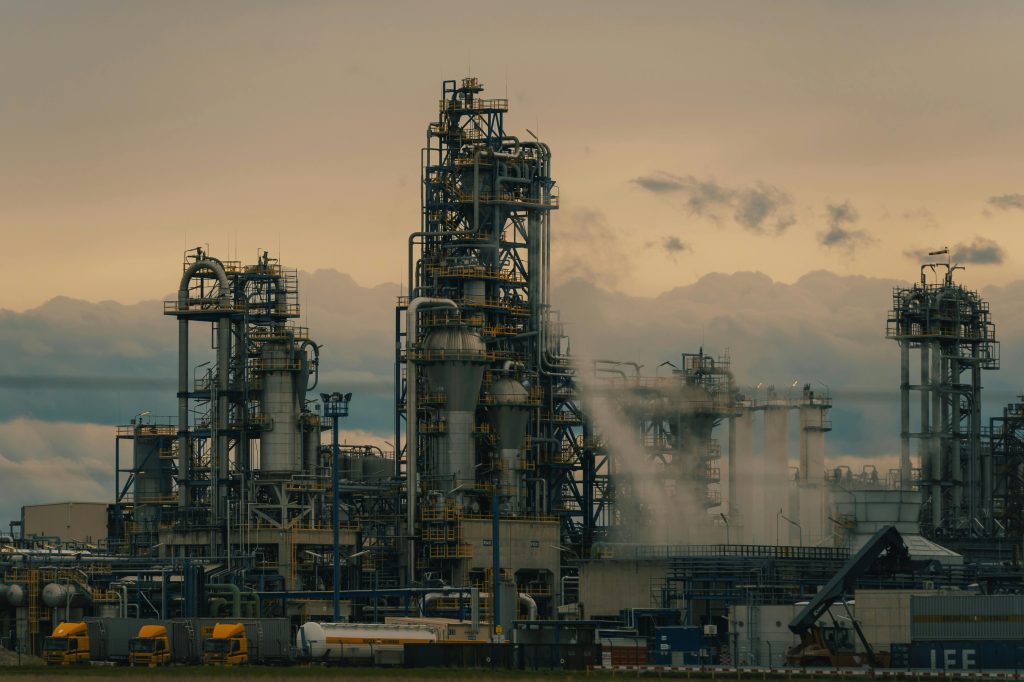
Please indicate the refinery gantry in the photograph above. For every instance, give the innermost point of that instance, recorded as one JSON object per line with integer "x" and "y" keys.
{"x": 534, "y": 484}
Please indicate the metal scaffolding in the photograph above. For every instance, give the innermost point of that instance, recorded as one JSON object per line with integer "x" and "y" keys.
{"x": 952, "y": 333}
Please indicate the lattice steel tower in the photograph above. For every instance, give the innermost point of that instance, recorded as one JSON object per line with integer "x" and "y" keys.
{"x": 950, "y": 329}
{"x": 485, "y": 394}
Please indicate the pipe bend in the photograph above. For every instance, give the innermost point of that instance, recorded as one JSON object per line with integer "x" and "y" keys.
{"x": 210, "y": 265}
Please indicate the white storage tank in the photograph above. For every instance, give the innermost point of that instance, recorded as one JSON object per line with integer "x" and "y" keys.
{"x": 360, "y": 642}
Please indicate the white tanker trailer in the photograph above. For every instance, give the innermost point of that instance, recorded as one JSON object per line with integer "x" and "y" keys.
{"x": 360, "y": 643}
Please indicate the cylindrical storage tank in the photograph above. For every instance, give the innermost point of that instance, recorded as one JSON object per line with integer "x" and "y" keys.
{"x": 154, "y": 473}
{"x": 350, "y": 467}
{"x": 17, "y": 595}
{"x": 281, "y": 438}
{"x": 454, "y": 359}
{"x": 508, "y": 417}
{"x": 376, "y": 469}
{"x": 60, "y": 595}
{"x": 358, "y": 642}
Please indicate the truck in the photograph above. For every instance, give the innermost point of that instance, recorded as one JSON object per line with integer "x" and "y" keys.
{"x": 69, "y": 644}
{"x": 247, "y": 640}
{"x": 155, "y": 645}
{"x": 227, "y": 646}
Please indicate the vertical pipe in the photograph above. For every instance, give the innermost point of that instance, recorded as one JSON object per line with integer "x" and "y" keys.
{"x": 184, "y": 448}
{"x": 496, "y": 562}
{"x": 939, "y": 424}
{"x": 335, "y": 463}
{"x": 924, "y": 443}
{"x": 905, "y": 467}
{"x": 985, "y": 455}
{"x": 223, "y": 381}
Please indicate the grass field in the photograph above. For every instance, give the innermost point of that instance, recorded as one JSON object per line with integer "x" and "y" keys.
{"x": 26, "y": 674}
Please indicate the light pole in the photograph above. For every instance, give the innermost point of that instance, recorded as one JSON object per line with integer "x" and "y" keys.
{"x": 336, "y": 407}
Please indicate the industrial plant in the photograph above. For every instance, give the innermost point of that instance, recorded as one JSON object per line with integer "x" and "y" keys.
{"x": 534, "y": 500}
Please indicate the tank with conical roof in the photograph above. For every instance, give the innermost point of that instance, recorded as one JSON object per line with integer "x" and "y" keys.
{"x": 508, "y": 417}
{"x": 454, "y": 358}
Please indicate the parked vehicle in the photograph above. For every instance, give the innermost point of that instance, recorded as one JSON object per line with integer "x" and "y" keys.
{"x": 69, "y": 644}
{"x": 228, "y": 646}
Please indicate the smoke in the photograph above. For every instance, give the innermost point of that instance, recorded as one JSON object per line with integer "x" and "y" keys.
{"x": 759, "y": 208}
{"x": 840, "y": 232}
{"x": 1007, "y": 202}
{"x": 656, "y": 502}
{"x": 979, "y": 252}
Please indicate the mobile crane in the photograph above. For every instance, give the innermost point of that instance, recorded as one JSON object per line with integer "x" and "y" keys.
{"x": 824, "y": 646}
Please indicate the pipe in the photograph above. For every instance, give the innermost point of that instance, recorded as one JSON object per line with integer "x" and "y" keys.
{"x": 224, "y": 302}
{"x": 236, "y": 595}
{"x": 411, "y": 426}
{"x": 475, "y": 594}
{"x": 530, "y": 604}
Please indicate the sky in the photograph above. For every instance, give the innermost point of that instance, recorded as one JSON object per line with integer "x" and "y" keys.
{"x": 823, "y": 146}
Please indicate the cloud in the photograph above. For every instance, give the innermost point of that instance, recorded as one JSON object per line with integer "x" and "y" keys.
{"x": 822, "y": 329}
{"x": 979, "y": 252}
{"x": 674, "y": 245}
{"x": 923, "y": 216}
{"x": 660, "y": 184}
{"x": 759, "y": 208}
{"x": 585, "y": 245}
{"x": 1006, "y": 202}
{"x": 840, "y": 232}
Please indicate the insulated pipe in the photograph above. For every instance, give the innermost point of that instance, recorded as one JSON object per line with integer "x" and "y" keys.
{"x": 224, "y": 301}
{"x": 524, "y": 599}
{"x": 236, "y": 595}
{"x": 939, "y": 422}
{"x": 411, "y": 426}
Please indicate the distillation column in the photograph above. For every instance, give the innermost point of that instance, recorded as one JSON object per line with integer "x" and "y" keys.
{"x": 743, "y": 471}
{"x": 775, "y": 477}
{"x": 814, "y": 424}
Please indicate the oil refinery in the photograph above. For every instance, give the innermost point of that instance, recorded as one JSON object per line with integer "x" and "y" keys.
{"x": 532, "y": 497}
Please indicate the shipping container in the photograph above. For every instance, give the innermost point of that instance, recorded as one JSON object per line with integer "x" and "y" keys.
{"x": 968, "y": 655}
{"x": 967, "y": 618}
{"x": 679, "y": 645}
{"x": 624, "y": 650}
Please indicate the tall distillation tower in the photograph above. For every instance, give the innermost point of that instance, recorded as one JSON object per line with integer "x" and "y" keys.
{"x": 949, "y": 328}
{"x": 485, "y": 394}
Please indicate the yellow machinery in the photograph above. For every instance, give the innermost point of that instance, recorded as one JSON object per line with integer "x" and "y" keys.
{"x": 228, "y": 646}
{"x": 68, "y": 644}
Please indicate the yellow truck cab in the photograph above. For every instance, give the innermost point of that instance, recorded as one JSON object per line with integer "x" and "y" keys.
{"x": 151, "y": 647}
{"x": 228, "y": 645}
{"x": 68, "y": 644}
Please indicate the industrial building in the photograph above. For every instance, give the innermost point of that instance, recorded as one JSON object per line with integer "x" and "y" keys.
{"x": 534, "y": 485}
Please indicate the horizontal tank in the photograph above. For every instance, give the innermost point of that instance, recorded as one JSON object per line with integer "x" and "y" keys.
{"x": 61, "y": 595}
{"x": 358, "y": 641}
{"x": 17, "y": 595}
